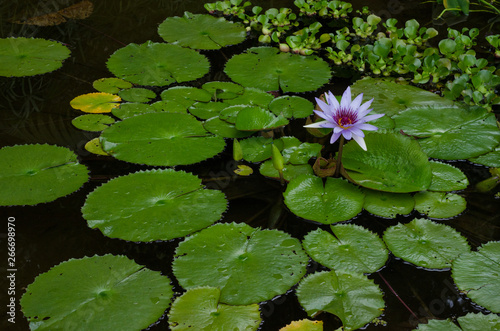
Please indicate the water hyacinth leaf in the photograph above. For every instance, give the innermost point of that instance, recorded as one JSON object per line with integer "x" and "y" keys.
{"x": 137, "y": 94}
{"x": 304, "y": 325}
{"x": 352, "y": 249}
{"x": 252, "y": 97}
{"x": 256, "y": 149}
{"x": 224, "y": 129}
{"x": 130, "y": 109}
{"x": 291, "y": 106}
{"x": 290, "y": 171}
{"x": 257, "y": 119}
{"x": 96, "y": 103}
{"x": 92, "y": 122}
{"x": 153, "y": 205}
{"x": 164, "y": 139}
{"x": 101, "y": 292}
{"x": 335, "y": 201}
{"x": 207, "y": 110}
{"x": 200, "y": 31}
{"x": 186, "y": 95}
{"x": 157, "y": 64}
{"x": 425, "y": 243}
{"x": 28, "y": 57}
{"x": 392, "y": 163}
{"x": 451, "y": 133}
{"x": 446, "y": 177}
{"x": 269, "y": 69}
{"x": 247, "y": 264}
{"x": 439, "y": 205}
{"x": 32, "y": 174}
{"x": 223, "y": 90}
{"x": 351, "y": 296}
{"x": 391, "y": 98}
{"x": 476, "y": 274}
{"x": 491, "y": 159}
{"x": 199, "y": 309}
{"x": 94, "y": 146}
{"x": 111, "y": 85}
{"x": 387, "y": 204}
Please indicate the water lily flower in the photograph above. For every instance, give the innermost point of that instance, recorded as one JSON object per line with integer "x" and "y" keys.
{"x": 347, "y": 118}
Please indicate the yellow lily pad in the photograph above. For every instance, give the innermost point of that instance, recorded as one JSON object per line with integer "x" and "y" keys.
{"x": 95, "y": 103}
{"x": 304, "y": 325}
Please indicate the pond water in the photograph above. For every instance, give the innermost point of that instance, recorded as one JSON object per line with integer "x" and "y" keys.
{"x": 36, "y": 110}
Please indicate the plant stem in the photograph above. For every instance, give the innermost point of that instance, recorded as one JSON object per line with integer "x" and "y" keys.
{"x": 338, "y": 163}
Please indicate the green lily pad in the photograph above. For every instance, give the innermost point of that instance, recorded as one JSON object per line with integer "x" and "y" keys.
{"x": 476, "y": 274}
{"x": 391, "y": 98}
{"x": 131, "y": 109}
{"x": 199, "y": 309}
{"x": 111, "y": 85}
{"x": 491, "y": 159}
{"x": 251, "y": 97}
{"x": 201, "y": 31}
{"x": 469, "y": 322}
{"x": 29, "y": 57}
{"x": 224, "y": 129}
{"x": 291, "y": 106}
{"x": 446, "y": 177}
{"x": 95, "y": 103}
{"x": 153, "y": 205}
{"x": 32, "y": 174}
{"x": 425, "y": 243}
{"x": 207, "y": 110}
{"x": 92, "y": 122}
{"x": 230, "y": 113}
{"x": 439, "y": 325}
{"x": 354, "y": 298}
{"x": 335, "y": 201}
{"x": 269, "y": 69}
{"x": 169, "y": 106}
{"x": 160, "y": 139}
{"x": 439, "y": 205}
{"x": 290, "y": 171}
{"x": 256, "y": 119}
{"x": 392, "y": 163}
{"x": 296, "y": 152}
{"x": 157, "y": 64}
{"x": 186, "y": 95}
{"x": 100, "y": 292}
{"x": 451, "y": 133}
{"x": 223, "y": 90}
{"x": 137, "y": 94}
{"x": 387, "y": 204}
{"x": 248, "y": 265}
{"x": 256, "y": 149}
{"x": 352, "y": 248}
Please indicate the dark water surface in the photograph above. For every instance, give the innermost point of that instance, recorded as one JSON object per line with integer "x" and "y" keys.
{"x": 37, "y": 110}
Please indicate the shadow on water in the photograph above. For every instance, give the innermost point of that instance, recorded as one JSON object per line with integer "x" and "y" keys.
{"x": 36, "y": 110}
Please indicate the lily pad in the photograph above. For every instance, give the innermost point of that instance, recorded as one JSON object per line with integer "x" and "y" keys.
{"x": 476, "y": 274}
{"x": 230, "y": 113}
{"x": 94, "y": 146}
{"x": 248, "y": 265}
{"x": 290, "y": 171}
{"x": 392, "y": 163}
{"x": 335, "y": 201}
{"x": 251, "y": 97}
{"x": 186, "y": 95}
{"x": 32, "y": 174}
{"x": 390, "y": 98}
{"x": 224, "y": 129}
{"x": 223, "y": 90}
{"x": 137, "y": 94}
{"x": 256, "y": 119}
{"x": 269, "y": 69}
{"x": 207, "y": 110}
{"x": 98, "y": 102}
{"x": 469, "y": 322}
{"x": 153, "y": 205}
{"x": 351, "y": 248}
{"x": 160, "y": 139}
{"x": 157, "y": 64}
{"x": 130, "y": 109}
{"x": 351, "y": 296}
{"x": 29, "y": 57}
{"x": 201, "y": 31}
{"x": 101, "y": 292}
{"x": 451, "y": 133}
{"x": 199, "y": 309}
{"x": 111, "y": 85}
{"x": 291, "y": 107}
{"x": 425, "y": 243}
{"x": 491, "y": 159}
{"x": 446, "y": 177}
{"x": 92, "y": 122}
{"x": 304, "y": 325}
{"x": 439, "y": 205}
{"x": 387, "y": 204}
{"x": 256, "y": 149}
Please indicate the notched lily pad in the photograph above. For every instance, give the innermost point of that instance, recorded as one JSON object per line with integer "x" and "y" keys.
{"x": 223, "y": 90}
{"x": 491, "y": 159}
{"x": 99, "y": 102}
{"x": 137, "y": 94}
{"x": 439, "y": 205}
{"x": 304, "y": 325}
{"x": 153, "y": 205}
{"x": 291, "y": 107}
{"x": 94, "y": 146}
{"x": 201, "y": 31}
{"x": 256, "y": 119}
{"x": 92, "y": 122}
{"x": 469, "y": 322}
{"x": 111, "y": 85}
{"x": 32, "y": 174}
{"x": 224, "y": 129}
{"x": 186, "y": 95}
{"x": 446, "y": 177}
{"x": 387, "y": 204}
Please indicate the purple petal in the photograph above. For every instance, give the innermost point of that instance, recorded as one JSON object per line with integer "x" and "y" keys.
{"x": 372, "y": 117}
{"x": 347, "y": 134}
{"x": 327, "y": 124}
{"x": 356, "y": 131}
{"x": 360, "y": 141}
{"x": 367, "y": 127}
{"x": 322, "y": 115}
{"x": 332, "y": 101}
{"x": 316, "y": 125}
{"x": 357, "y": 101}
{"x": 334, "y": 137}
{"x": 337, "y": 129}
{"x": 346, "y": 98}
{"x": 323, "y": 106}
{"x": 363, "y": 109}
